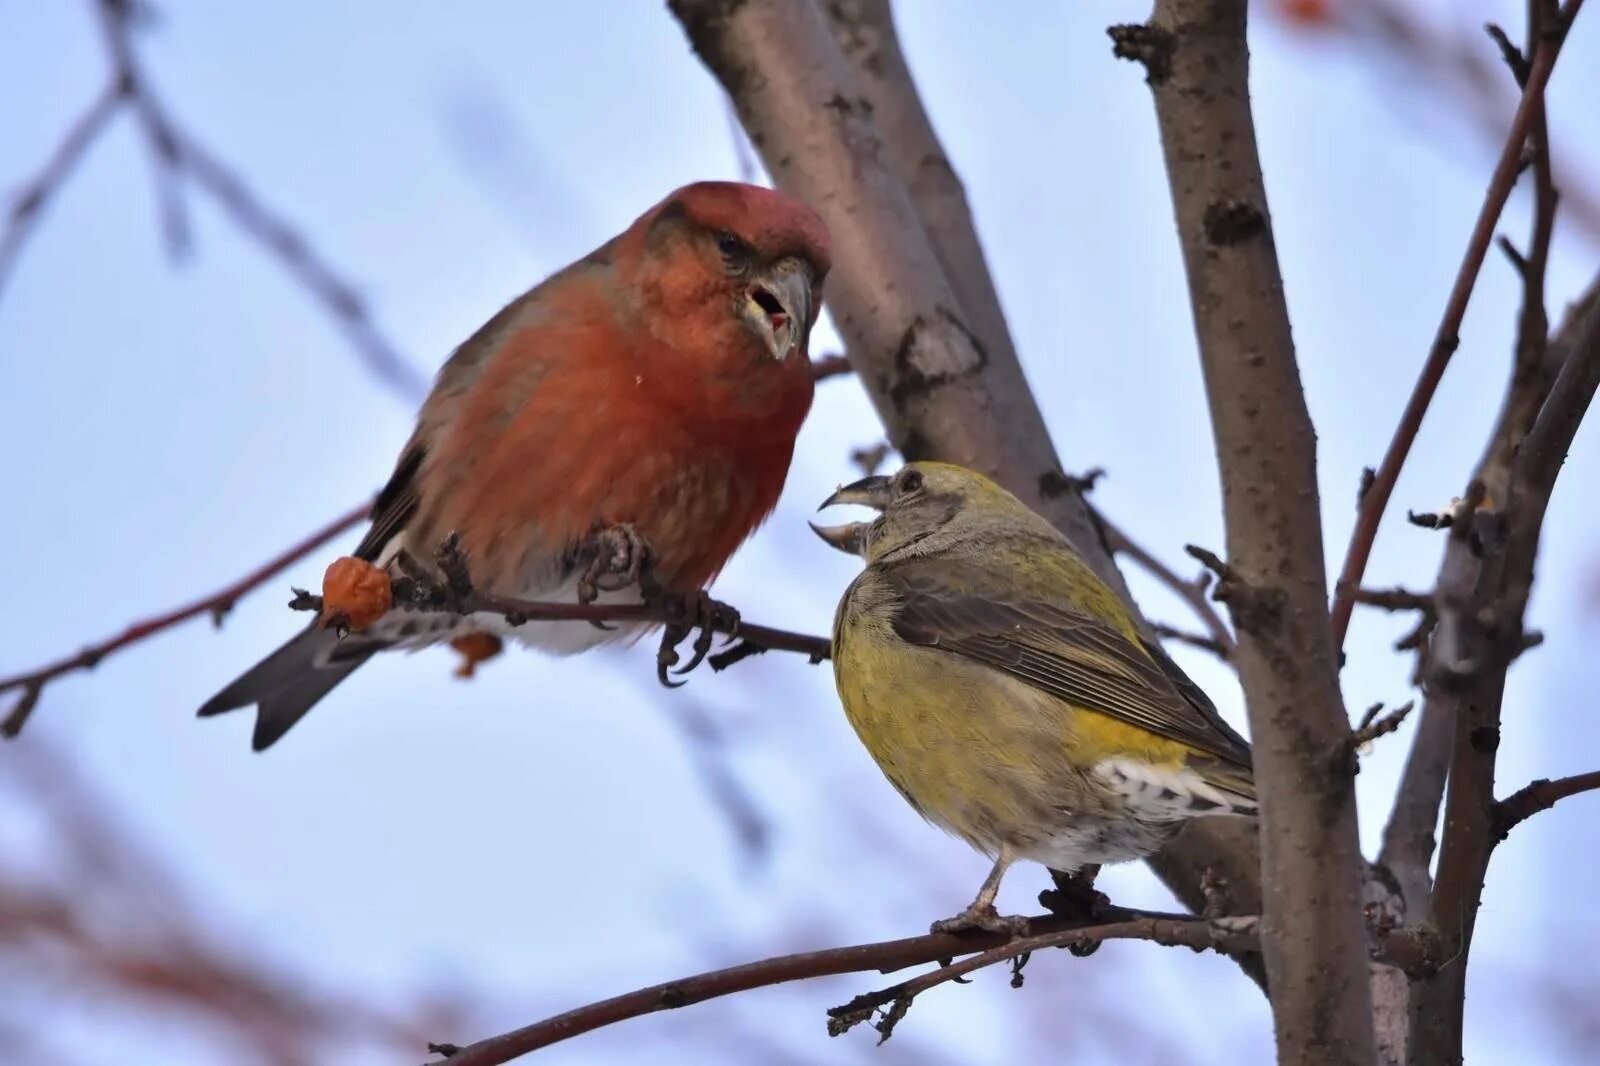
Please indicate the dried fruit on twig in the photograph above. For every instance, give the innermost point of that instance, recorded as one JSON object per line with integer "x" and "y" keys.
{"x": 355, "y": 594}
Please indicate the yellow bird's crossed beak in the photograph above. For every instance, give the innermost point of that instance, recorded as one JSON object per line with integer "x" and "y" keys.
{"x": 873, "y": 492}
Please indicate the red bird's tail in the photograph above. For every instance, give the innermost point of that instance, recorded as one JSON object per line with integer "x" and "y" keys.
{"x": 290, "y": 681}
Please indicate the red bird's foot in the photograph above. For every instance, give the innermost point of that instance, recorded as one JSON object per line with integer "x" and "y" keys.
{"x": 696, "y": 611}
{"x": 983, "y": 918}
{"x": 618, "y": 556}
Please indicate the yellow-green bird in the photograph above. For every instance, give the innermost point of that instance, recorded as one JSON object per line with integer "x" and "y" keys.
{"x": 1007, "y": 693}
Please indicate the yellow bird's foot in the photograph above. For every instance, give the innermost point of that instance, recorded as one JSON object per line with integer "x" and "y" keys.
{"x": 1075, "y": 896}
{"x": 984, "y": 919}
{"x": 1076, "y": 899}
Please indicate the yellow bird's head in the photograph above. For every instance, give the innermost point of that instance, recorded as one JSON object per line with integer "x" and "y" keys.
{"x": 924, "y": 508}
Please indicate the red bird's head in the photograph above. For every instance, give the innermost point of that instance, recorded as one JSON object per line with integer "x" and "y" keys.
{"x": 731, "y": 272}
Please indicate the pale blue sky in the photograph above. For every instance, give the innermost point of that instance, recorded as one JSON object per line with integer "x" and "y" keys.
{"x": 539, "y": 838}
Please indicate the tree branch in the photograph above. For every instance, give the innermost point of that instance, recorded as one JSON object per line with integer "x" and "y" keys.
{"x": 830, "y": 366}
{"x": 1541, "y": 795}
{"x": 27, "y": 204}
{"x": 1408, "y": 839}
{"x": 217, "y": 605}
{"x": 1529, "y": 116}
{"x": 883, "y": 956}
{"x": 1444, "y": 55}
{"x": 176, "y": 154}
{"x": 665, "y": 611}
{"x": 1219, "y": 638}
{"x": 1225, "y": 936}
{"x": 1196, "y": 61}
{"x": 1411, "y": 949}
{"x": 1489, "y": 638}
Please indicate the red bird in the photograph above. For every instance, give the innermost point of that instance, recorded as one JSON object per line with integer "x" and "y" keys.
{"x": 656, "y": 386}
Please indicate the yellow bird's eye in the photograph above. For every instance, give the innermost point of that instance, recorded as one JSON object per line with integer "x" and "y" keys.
{"x": 910, "y": 481}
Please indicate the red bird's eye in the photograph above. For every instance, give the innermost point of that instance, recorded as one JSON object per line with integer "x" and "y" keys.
{"x": 729, "y": 245}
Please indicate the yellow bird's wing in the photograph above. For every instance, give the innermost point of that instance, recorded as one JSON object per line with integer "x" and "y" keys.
{"x": 1065, "y": 652}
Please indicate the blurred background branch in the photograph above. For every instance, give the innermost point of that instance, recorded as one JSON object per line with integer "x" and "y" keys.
{"x": 105, "y": 927}
{"x": 177, "y": 156}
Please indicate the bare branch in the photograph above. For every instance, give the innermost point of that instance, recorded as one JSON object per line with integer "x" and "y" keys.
{"x": 1539, "y": 796}
{"x": 1442, "y": 56}
{"x": 1395, "y": 599}
{"x": 1529, "y": 116}
{"x": 1411, "y": 949}
{"x": 176, "y": 154}
{"x": 216, "y": 605}
{"x": 1223, "y": 935}
{"x": 101, "y": 924}
{"x": 1375, "y": 724}
{"x": 309, "y": 270}
{"x": 1196, "y": 62}
{"x": 1489, "y": 636}
{"x": 1219, "y": 638}
{"x": 883, "y": 956}
{"x": 829, "y": 366}
{"x": 1194, "y": 640}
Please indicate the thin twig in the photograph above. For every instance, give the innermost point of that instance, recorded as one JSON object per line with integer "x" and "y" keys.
{"x": 829, "y": 366}
{"x": 1395, "y": 599}
{"x": 1375, "y": 724}
{"x": 1193, "y": 593}
{"x": 1489, "y": 627}
{"x": 1194, "y": 640}
{"x": 1443, "y": 57}
{"x": 177, "y": 154}
{"x": 1199, "y": 934}
{"x": 1529, "y": 112}
{"x": 1408, "y": 839}
{"x": 216, "y": 605}
{"x": 27, "y": 204}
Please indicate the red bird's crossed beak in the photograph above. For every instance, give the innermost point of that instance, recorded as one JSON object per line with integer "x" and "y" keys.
{"x": 778, "y": 306}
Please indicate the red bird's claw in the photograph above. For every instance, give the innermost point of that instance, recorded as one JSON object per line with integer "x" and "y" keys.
{"x": 667, "y": 655}
{"x": 618, "y": 557}
{"x": 709, "y": 615}
{"x": 702, "y": 648}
